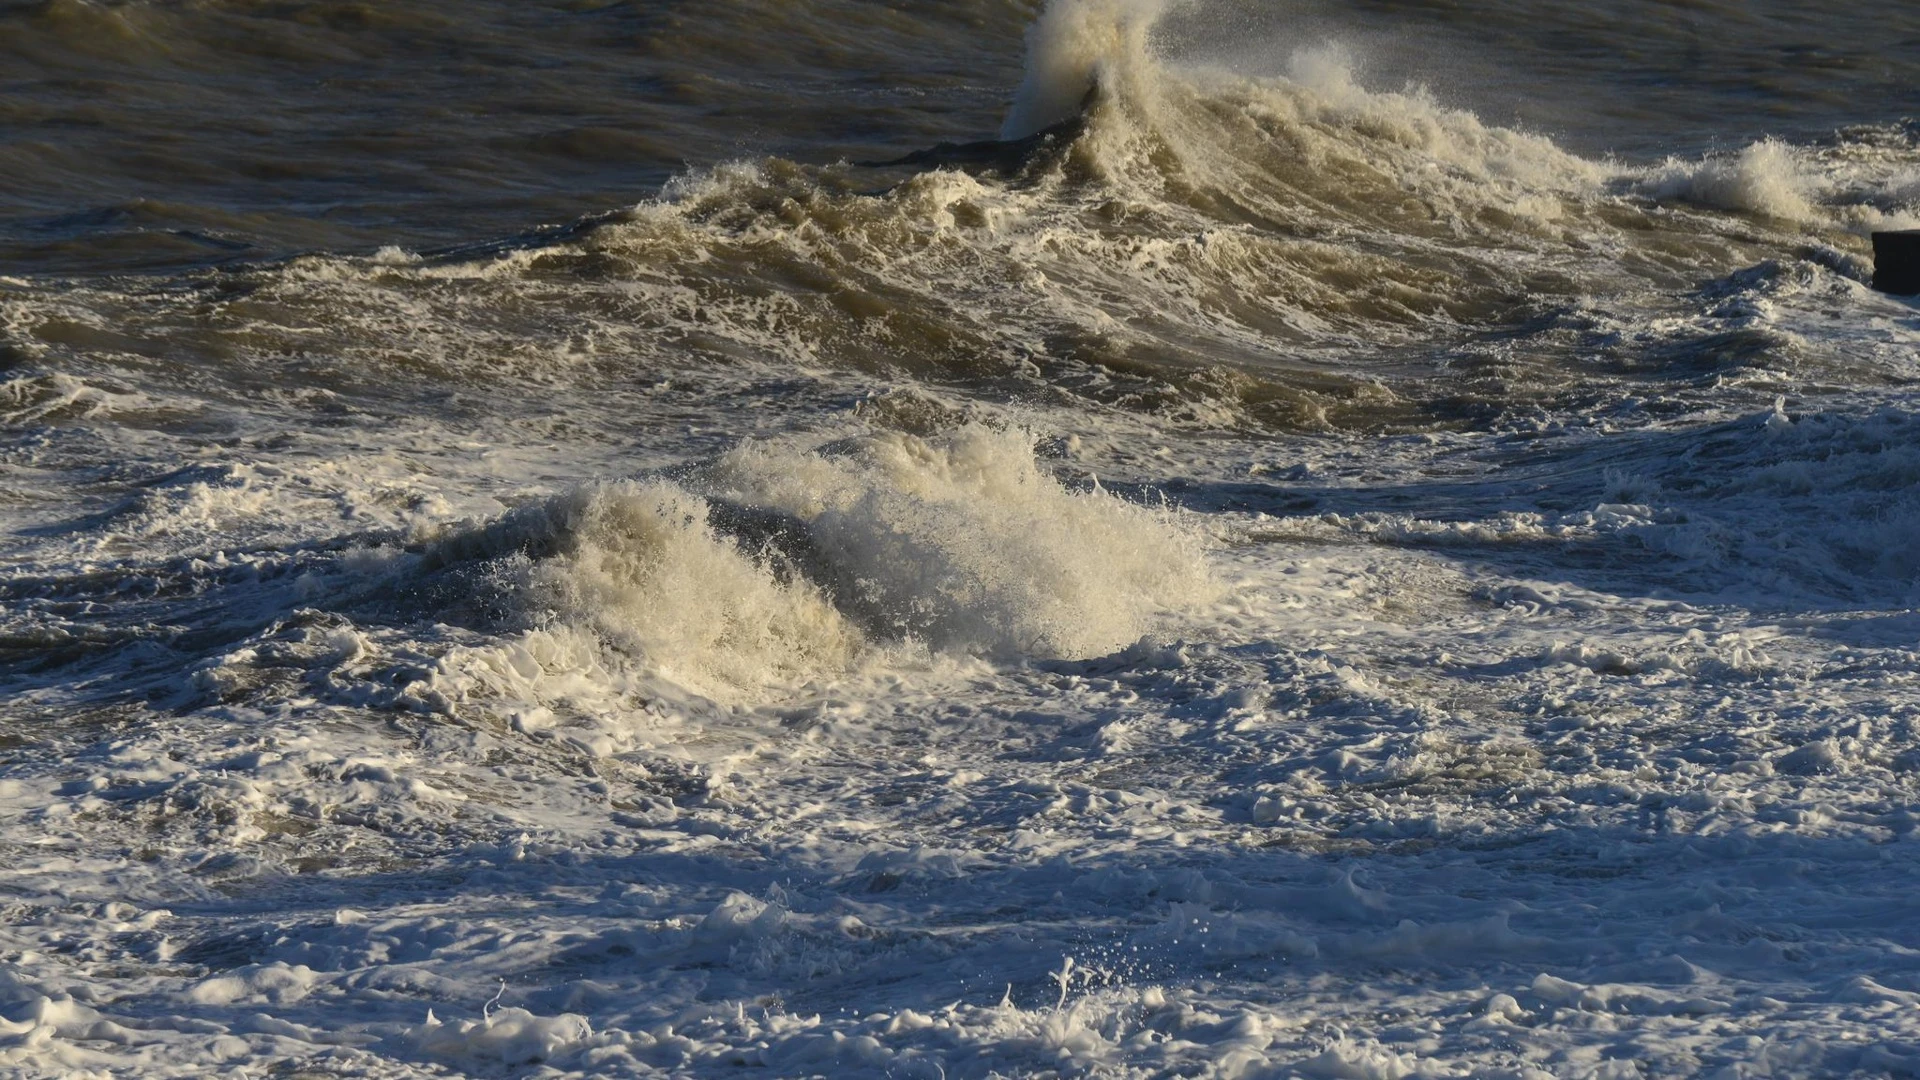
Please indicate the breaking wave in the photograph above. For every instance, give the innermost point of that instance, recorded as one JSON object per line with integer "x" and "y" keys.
{"x": 780, "y": 563}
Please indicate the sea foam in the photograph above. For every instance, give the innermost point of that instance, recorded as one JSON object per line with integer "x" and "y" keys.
{"x": 779, "y": 562}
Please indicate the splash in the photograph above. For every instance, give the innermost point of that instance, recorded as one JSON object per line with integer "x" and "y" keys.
{"x": 640, "y": 567}
{"x": 647, "y": 570}
{"x": 781, "y": 563}
{"x": 962, "y": 541}
{"x": 1769, "y": 177}
{"x": 1074, "y": 47}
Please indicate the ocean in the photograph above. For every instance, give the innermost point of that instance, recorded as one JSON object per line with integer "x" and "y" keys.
{"x": 958, "y": 538}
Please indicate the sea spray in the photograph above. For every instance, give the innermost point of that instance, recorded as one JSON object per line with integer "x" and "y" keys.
{"x": 1073, "y": 47}
{"x": 1768, "y": 177}
{"x": 645, "y": 569}
{"x": 964, "y": 542}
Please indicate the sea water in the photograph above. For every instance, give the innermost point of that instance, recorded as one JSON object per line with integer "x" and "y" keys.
{"x": 1369, "y": 539}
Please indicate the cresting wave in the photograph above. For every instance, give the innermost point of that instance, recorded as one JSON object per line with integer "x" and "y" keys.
{"x": 782, "y": 563}
{"x": 1227, "y": 247}
{"x": 1213, "y": 116}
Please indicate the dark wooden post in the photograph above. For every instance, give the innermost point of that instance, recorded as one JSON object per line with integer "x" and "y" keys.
{"x": 1896, "y": 262}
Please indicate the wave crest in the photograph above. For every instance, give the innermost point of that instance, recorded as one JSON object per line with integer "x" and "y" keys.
{"x": 782, "y": 563}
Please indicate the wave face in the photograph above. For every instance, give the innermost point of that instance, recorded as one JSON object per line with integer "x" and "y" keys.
{"x": 957, "y": 538}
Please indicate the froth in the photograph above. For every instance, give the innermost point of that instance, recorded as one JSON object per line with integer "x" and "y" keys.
{"x": 963, "y": 542}
{"x": 1767, "y": 177}
{"x": 1848, "y": 185}
{"x": 645, "y": 569}
{"x": 781, "y": 563}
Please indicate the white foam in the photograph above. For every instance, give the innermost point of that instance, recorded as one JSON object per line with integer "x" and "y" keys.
{"x": 33, "y": 399}
{"x": 507, "y": 1036}
{"x": 643, "y": 569}
{"x": 1841, "y": 187}
{"x": 1768, "y": 177}
{"x": 960, "y": 543}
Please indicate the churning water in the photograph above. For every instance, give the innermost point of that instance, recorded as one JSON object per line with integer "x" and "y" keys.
{"x": 958, "y": 538}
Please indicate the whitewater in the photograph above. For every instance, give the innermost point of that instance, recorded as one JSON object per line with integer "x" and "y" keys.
{"x": 1117, "y": 538}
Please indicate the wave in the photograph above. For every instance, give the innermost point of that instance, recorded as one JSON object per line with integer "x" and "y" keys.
{"x": 1161, "y": 230}
{"x": 780, "y": 563}
{"x": 1250, "y": 137}
{"x": 1211, "y": 246}
{"x": 1838, "y": 187}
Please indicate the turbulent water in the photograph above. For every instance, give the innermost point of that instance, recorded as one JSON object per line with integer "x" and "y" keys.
{"x": 958, "y": 539}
